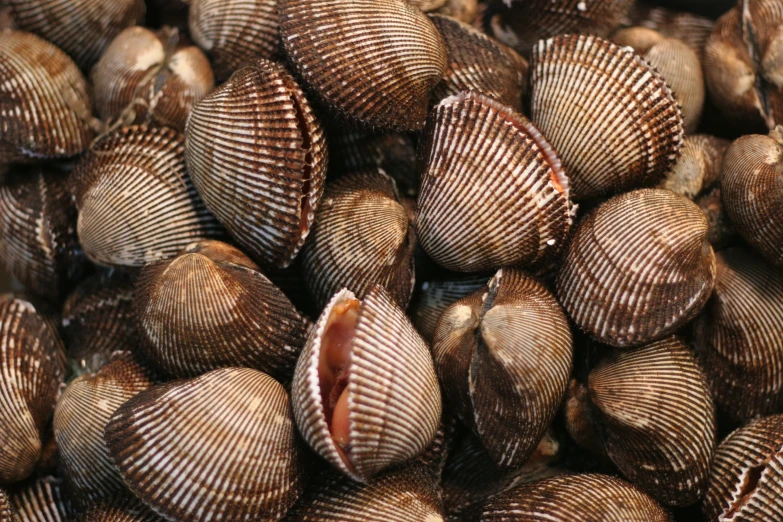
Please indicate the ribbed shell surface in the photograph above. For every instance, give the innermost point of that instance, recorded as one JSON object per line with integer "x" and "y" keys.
{"x": 136, "y": 202}
{"x": 42, "y": 501}
{"x": 373, "y": 61}
{"x": 659, "y": 419}
{"x": 637, "y": 268}
{"x": 698, "y": 167}
{"x": 721, "y": 233}
{"x": 493, "y": 192}
{"x": 122, "y": 509}
{"x": 44, "y": 101}
{"x": 624, "y": 128}
{"x": 428, "y": 5}
{"x": 257, "y": 156}
{"x": 688, "y": 27}
{"x": 435, "y": 296}
{"x": 6, "y": 512}
{"x": 218, "y": 447}
{"x": 394, "y": 401}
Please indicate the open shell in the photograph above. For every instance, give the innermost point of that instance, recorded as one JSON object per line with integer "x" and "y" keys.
{"x": 122, "y": 509}
{"x": 43, "y": 500}
{"x": 698, "y": 167}
{"x": 435, "y": 296}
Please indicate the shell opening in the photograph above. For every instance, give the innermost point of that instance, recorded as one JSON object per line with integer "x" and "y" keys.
{"x": 749, "y": 484}
{"x": 307, "y": 172}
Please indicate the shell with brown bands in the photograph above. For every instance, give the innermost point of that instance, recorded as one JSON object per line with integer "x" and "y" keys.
{"x": 327, "y": 42}
{"x": 6, "y": 511}
{"x": 688, "y": 27}
{"x": 44, "y": 500}
{"x": 698, "y": 167}
{"x": 124, "y": 508}
{"x": 435, "y": 296}
{"x": 638, "y": 268}
{"x": 625, "y": 127}
{"x": 221, "y": 446}
{"x": 257, "y": 155}
{"x": 493, "y": 192}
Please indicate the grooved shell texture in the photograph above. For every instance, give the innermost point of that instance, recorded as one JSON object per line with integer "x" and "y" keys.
{"x": 122, "y": 509}
{"x": 6, "y": 511}
{"x": 43, "y": 500}
{"x": 698, "y": 167}
{"x": 435, "y": 296}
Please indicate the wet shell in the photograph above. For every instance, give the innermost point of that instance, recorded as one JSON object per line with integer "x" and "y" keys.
{"x": 42, "y": 501}
{"x": 505, "y": 202}
{"x": 638, "y": 268}
{"x": 688, "y": 27}
{"x": 257, "y": 156}
{"x": 721, "y": 233}
{"x": 136, "y": 203}
{"x": 435, "y": 296}
{"x": 218, "y": 447}
{"x": 625, "y": 127}
{"x": 44, "y": 105}
{"x": 365, "y": 394}
{"x": 739, "y": 335}
{"x": 122, "y": 509}
{"x": 210, "y": 307}
{"x": 327, "y": 42}
{"x": 698, "y": 167}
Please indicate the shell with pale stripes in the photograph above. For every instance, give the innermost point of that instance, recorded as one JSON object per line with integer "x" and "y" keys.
{"x": 435, "y": 296}
{"x": 44, "y": 500}
{"x": 698, "y": 167}
{"x": 690, "y": 28}
{"x": 7, "y": 513}
{"x": 221, "y": 446}
{"x": 428, "y": 5}
{"x": 119, "y": 509}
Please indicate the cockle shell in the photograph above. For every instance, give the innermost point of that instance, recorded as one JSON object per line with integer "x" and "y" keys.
{"x": 119, "y": 509}
{"x": 428, "y": 5}
{"x": 465, "y": 11}
{"x": 721, "y": 233}
{"x": 698, "y": 167}
{"x": 44, "y": 500}
{"x": 688, "y": 27}
{"x": 6, "y": 512}
{"x": 435, "y": 296}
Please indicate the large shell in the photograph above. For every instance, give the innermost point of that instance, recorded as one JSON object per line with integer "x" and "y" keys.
{"x": 493, "y": 192}
{"x": 327, "y": 41}
{"x": 435, "y": 296}
{"x": 136, "y": 203}
{"x": 624, "y": 127}
{"x": 218, "y": 447}
{"x": 688, "y": 27}
{"x": 393, "y": 399}
{"x": 637, "y": 268}
{"x": 123, "y": 509}
{"x": 42, "y": 501}
{"x": 698, "y": 167}
{"x": 257, "y": 156}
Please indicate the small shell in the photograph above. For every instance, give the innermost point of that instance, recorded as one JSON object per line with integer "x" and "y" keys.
{"x": 327, "y": 43}
{"x": 136, "y": 203}
{"x": 688, "y": 27}
{"x": 472, "y": 215}
{"x": 42, "y": 501}
{"x": 698, "y": 167}
{"x": 435, "y": 296}
{"x": 365, "y": 394}
{"x": 721, "y": 233}
{"x": 122, "y": 509}
{"x": 625, "y": 127}
{"x": 638, "y": 268}
{"x": 218, "y": 447}
{"x": 257, "y": 156}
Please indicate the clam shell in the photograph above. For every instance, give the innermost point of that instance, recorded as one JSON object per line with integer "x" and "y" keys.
{"x": 6, "y": 512}
{"x": 136, "y": 203}
{"x": 327, "y": 42}
{"x": 625, "y": 127}
{"x": 721, "y": 233}
{"x": 579, "y": 423}
{"x": 218, "y": 447}
{"x": 42, "y": 501}
{"x": 257, "y": 156}
{"x": 698, "y": 167}
{"x": 122, "y": 509}
{"x": 638, "y": 268}
{"x": 505, "y": 202}
{"x": 465, "y": 11}
{"x": 688, "y": 27}
{"x": 428, "y": 5}
{"x": 435, "y": 296}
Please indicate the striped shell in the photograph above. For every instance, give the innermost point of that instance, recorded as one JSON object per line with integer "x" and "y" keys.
{"x": 210, "y": 307}
{"x": 488, "y": 350}
{"x": 44, "y": 101}
{"x": 638, "y": 268}
{"x": 218, "y": 447}
{"x": 327, "y": 43}
{"x": 739, "y": 335}
{"x": 120, "y": 509}
{"x": 747, "y": 476}
{"x": 136, "y": 203}
{"x": 428, "y": 5}
{"x": 435, "y": 296}
{"x": 44, "y": 500}
{"x": 625, "y": 127}
{"x": 698, "y": 167}
{"x": 361, "y": 238}
{"x": 6, "y": 511}
{"x": 688, "y": 27}
{"x": 721, "y": 233}
{"x": 257, "y": 156}
{"x": 493, "y": 192}
{"x": 365, "y": 394}
{"x": 465, "y": 11}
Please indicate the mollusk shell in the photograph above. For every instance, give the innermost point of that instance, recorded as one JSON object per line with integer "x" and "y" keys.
{"x": 465, "y": 11}
{"x": 688, "y": 27}
{"x": 6, "y": 512}
{"x": 428, "y": 5}
{"x": 42, "y": 501}
{"x": 257, "y": 155}
{"x": 493, "y": 192}
{"x": 435, "y": 296}
{"x": 327, "y": 43}
{"x": 122, "y": 509}
{"x": 698, "y": 167}
{"x": 721, "y": 233}
{"x": 625, "y": 126}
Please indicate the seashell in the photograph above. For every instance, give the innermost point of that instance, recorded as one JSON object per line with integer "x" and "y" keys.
{"x": 428, "y": 5}
{"x": 365, "y": 395}
{"x": 692, "y": 29}
{"x": 746, "y": 480}
{"x": 721, "y": 233}
{"x": 157, "y": 212}
{"x": 698, "y": 167}
{"x": 6, "y": 512}
{"x": 579, "y": 420}
{"x": 327, "y": 40}
{"x": 45, "y": 105}
{"x": 211, "y": 307}
{"x": 32, "y": 361}
{"x": 466, "y": 11}
{"x": 638, "y": 268}
{"x": 257, "y": 156}
{"x": 42, "y": 501}
{"x": 122, "y": 509}
{"x": 229, "y": 445}
{"x": 234, "y": 32}
{"x": 80, "y": 417}
{"x": 479, "y": 63}
{"x": 456, "y": 225}
{"x": 435, "y": 296}
{"x": 6, "y": 19}
{"x": 739, "y": 335}
{"x": 575, "y": 497}
{"x": 38, "y": 242}
{"x": 752, "y": 192}
{"x": 154, "y": 74}
{"x": 625, "y": 127}
{"x": 361, "y": 238}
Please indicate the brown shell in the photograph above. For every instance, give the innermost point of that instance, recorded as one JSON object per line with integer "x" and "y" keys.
{"x": 7, "y": 513}
{"x": 218, "y": 447}
{"x": 638, "y": 268}
{"x": 487, "y": 350}
{"x": 493, "y": 192}
{"x": 579, "y": 420}
{"x": 136, "y": 202}
{"x": 257, "y": 155}
{"x": 698, "y": 167}
{"x": 122, "y": 509}
{"x": 44, "y": 101}
{"x": 428, "y": 5}
{"x": 747, "y": 475}
{"x": 435, "y": 296}
{"x": 721, "y": 233}
{"x": 327, "y": 43}
{"x": 465, "y": 11}
{"x": 688, "y": 27}
{"x": 739, "y": 335}
{"x": 42, "y": 501}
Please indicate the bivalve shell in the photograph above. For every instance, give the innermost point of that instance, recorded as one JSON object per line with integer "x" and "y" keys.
{"x": 44, "y": 500}
{"x": 6, "y": 511}
{"x": 428, "y": 5}
{"x": 692, "y": 29}
{"x": 119, "y": 509}
{"x": 435, "y": 296}
{"x": 698, "y": 167}
{"x": 721, "y": 233}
